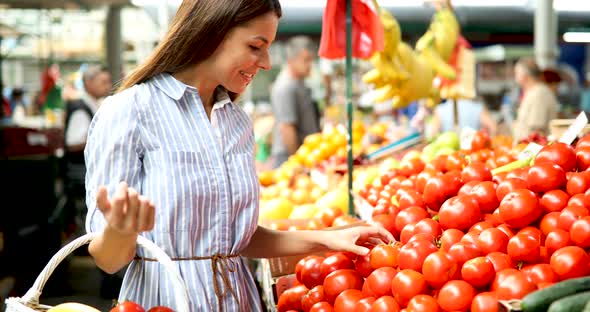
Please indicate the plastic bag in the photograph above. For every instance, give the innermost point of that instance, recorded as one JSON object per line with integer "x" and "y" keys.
{"x": 367, "y": 30}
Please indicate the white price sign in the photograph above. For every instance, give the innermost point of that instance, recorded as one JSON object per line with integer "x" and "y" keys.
{"x": 574, "y": 129}
{"x": 530, "y": 151}
{"x": 466, "y": 138}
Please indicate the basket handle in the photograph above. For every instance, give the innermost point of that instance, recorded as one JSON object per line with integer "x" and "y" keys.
{"x": 180, "y": 293}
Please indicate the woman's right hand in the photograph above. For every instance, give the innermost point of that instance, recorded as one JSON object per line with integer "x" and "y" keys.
{"x": 127, "y": 212}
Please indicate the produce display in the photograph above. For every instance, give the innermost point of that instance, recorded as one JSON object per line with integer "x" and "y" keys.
{"x": 126, "y": 306}
{"x": 467, "y": 238}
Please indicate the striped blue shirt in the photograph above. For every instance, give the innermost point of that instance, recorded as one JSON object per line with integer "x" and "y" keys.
{"x": 200, "y": 175}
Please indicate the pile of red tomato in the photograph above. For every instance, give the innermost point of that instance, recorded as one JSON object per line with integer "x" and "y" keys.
{"x": 466, "y": 238}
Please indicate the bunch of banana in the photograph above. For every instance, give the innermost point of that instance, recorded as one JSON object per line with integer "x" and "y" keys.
{"x": 388, "y": 70}
{"x": 438, "y": 43}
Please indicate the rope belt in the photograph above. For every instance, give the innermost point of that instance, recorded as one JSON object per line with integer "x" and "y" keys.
{"x": 220, "y": 265}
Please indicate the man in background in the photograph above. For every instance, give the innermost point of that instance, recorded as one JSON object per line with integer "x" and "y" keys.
{"x": 296, "y": 115}
{"x": 538, "y": 105}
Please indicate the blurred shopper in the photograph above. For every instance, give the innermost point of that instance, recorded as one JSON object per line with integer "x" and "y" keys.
{"x": 585, "y": 97}
{"x": 171, "y": 158}
{"x": 472, "y": 113}
{"x": 538, "y": 104}
{"x": 296, "y": 115}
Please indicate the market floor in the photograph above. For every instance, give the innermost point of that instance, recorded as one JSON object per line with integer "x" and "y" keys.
{"x": 83, "y": 281}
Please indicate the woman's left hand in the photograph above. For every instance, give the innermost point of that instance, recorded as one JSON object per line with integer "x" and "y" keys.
{"x": 355, "y": 238}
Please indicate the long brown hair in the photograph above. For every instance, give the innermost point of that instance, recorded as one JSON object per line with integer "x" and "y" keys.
{"x": 195, "y": 32}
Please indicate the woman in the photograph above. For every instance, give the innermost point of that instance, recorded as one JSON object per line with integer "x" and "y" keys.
{"x": 171, "y": 157}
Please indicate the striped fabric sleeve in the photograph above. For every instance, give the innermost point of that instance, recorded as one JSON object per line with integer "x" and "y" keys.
{"x": 113, "y": 152}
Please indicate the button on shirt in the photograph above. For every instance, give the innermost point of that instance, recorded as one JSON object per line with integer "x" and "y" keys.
{"x": 200, "y": 175}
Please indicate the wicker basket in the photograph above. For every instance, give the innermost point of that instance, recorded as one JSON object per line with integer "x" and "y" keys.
{"x": 30, "y": 301}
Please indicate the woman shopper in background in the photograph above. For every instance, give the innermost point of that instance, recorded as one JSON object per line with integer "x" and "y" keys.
{"x": 171, "y": 157}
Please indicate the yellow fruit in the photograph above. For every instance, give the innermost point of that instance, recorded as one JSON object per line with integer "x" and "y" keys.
{"x": 266, "y": 178}
{"x": 300, "y": 197}
{"x": 337, "y": 198}
{"x": 338, "y": 140}
{"x": 277, "y": 208}
{"x": 72, "y": 307}
{"x": 306, "y": 211}
{"x": 312, "y": 140}
{"x": 303, "y": 182}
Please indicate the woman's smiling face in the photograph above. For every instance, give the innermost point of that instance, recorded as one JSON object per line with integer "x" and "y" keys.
{"x": 244, "y": 51}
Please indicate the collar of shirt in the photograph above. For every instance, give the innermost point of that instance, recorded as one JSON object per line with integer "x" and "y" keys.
{"x": 176, "y": 89}
{"x": 89, "y": 100}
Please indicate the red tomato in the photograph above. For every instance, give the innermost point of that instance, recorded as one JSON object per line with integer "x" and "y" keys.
{"x": 311, "y": 274}
{"x": 554, "y": 200}
{"x": 549, "y": 222}
{"x": 520, "y": 208}
{"x": 338, "y": 281}
{"x": 481, "y": 140}
{"x": 520, "y": 173}
{"x": 485, "y": 194}
{"x": 485, "y": 302}
{"x": 583, "y": 142}
{"x": 493, "y": 218}
{"x": 386, "y": 177}
{"x": 578, "y": 200}
{"x": 578, "y": 183}
{"x": 580, "y": 232}
{"x": 522, "y": 247}
{"x": 406, "y": 285}
{"x": 557, "y": 239}
{"x": 385, "y": 304}
{"x": 570, "y": 262}
{"x": 455, "y": 162}
{"x": 362, "y": 264}
{"x": 407, "y": 233}
{"x": 471, "y": 237}
{"x": 364, "y": 305}
{"x": 291, "y": 298}
{"x": 347, "y": 300}
{"x": 569, "y": 215}
{"x": 509, "y": 185}
{"x": 407, "y": 197}
{"x": 461, "y": 252}
{"x": 478, "y": 272}
{"x": 459, "y": 212}
{"x": 545, "y": 177}
{"x": 506, "y": 229}
{"x": 439, "y": 268}
{"x": 322, "y": 307}
{"x": 312, "y": 297}
{"x": 583, "y": 158}
{"x": 411, "y": 166}
{"x": 409, "y": 215}
{"x": 423, "y": 177}
{"x": 490, "y": 240}
{"x": 160, "y": 309}
{"x": 500, "y": 261}
{"x": 127, "y": 306}
{"x": 558, "y": 153}
{"x": 412, "y": 255}
{"x": 540, "y": 273}
{"x": 482, "y": 225}
{"x": 532, "y": 231}
{"x": 437, "y": 190}
{"x": 456, "y": 296}
{"x": 449, "y": 238}
{"x": 337, "y": 261}
{"x": 387, "y": 221}
{"x": 467, "y": 187}
{"x": 476, "y": 171}
{"x": 422, "y": 236}
{"x": 423, "y": 303}
{"x": 367, "y": 291}
{"x": 428, "y": 226}
{"x": 384, "y": 256}
{"x": 329, "y": 214}
{"x": 512, "y": 284}
{"x": 379, "y": 282}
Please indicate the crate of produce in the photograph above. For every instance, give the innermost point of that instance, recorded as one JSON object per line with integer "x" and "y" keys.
{"x": 30, "y": 301}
